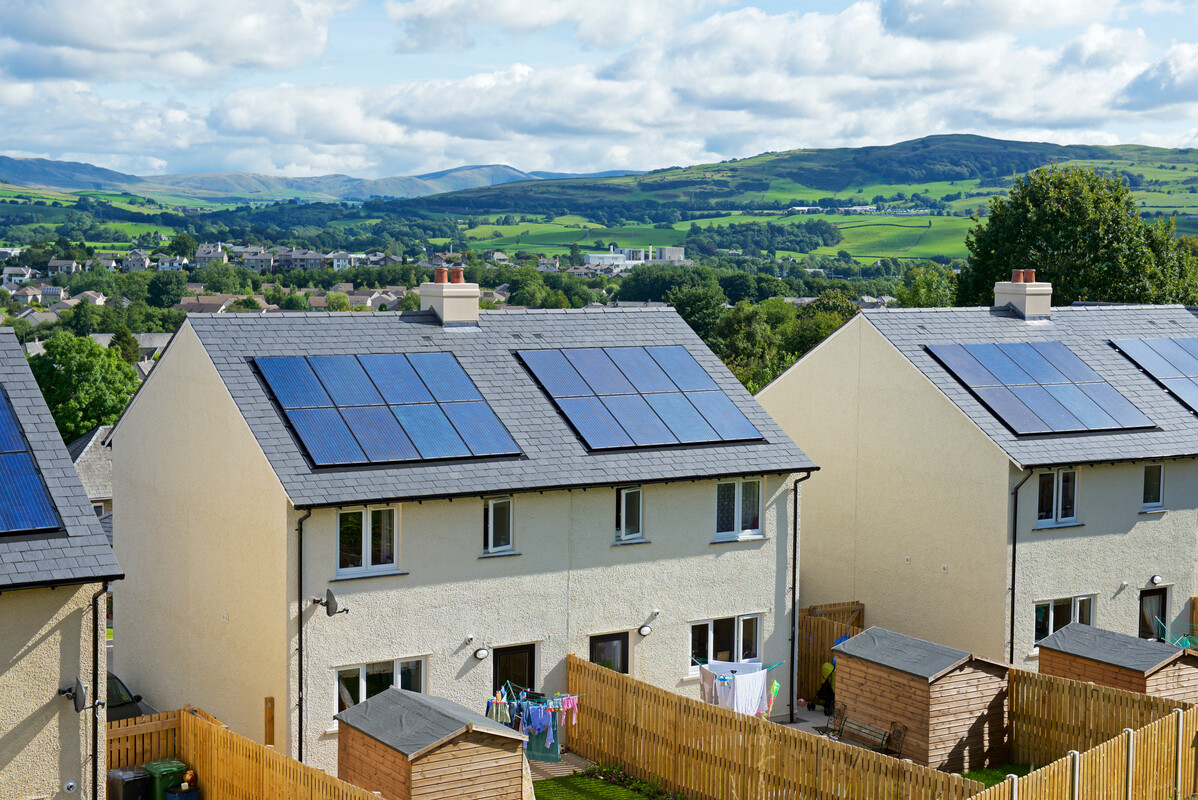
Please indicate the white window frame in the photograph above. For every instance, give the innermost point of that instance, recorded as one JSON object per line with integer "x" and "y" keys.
{"x": 622, "y": 534}
{"x": 396, "y": 664}
{"x": 1160, "y": 503}
{"x": 367, "y": 568}
{"x": 738, "y": 533}
{"x": 1058, "y": 480}
{"x": 489, "y": 504}
{"x": 737, "y": 639}
{"x": 1074, "y": 606}
{"x": 99, "y": 509}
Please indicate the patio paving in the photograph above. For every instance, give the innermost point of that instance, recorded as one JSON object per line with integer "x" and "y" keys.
{"x": 807, "y": 721}
{"x": 542, "y": 770}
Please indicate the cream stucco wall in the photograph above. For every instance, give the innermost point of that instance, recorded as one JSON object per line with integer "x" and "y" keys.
{"x": 199, "y": 527}
{"x": 46, "y": 641}
{"x": 569, "y": 582}
{"x": 1113, "y": 543}
{"x": 909, "y": 511}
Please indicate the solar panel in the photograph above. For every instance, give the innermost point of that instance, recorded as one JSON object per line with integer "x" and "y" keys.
{"x": 25, "y": 503}
{"x": 555, "y": 373}
{"x": 599, "y": 371}
{"x": 640, "y": 368}
{"x": 723, "y": 415}
{"x": 682, "y": 368}
{"x": 1172, "y": 362}
{"x": 1039, "y": 387}
{"x": 383, "y": 408}
{"x": 10, "y": 433}
{"x": 684, "y": 419}
{"x": 640, "y": 421}
{"x": 594, "y": 422}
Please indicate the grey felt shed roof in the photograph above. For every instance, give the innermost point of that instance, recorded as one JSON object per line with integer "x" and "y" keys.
{"x": 1108, "y": 647}
{"x": 1086, "y": 330}
{"x": 553, "y": 457}
{"x": 907, "y": 654}
{"x": 78, "y": 552}
{"x": 413, "y": 723}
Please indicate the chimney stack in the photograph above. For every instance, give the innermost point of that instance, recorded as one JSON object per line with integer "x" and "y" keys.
{"x": 1023, "y": 295}
{"x": 454, "y": 301}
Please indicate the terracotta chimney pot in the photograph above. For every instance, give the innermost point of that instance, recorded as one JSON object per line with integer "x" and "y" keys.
{"x": 1016, "y": 276}
{"x": 457, "y": 275}
{"x": 440, "y": 275}
{"x": 1029, "y": 276}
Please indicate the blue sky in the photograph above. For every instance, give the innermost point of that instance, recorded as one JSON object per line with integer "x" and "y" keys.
{"x": 399, "y": 87}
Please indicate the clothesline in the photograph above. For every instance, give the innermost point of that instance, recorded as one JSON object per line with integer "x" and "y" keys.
{"x": 763, "y": 669}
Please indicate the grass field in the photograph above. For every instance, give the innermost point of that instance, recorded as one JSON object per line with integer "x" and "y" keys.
{"x": 992, "y": 776}
{"x": 576, "y": 787}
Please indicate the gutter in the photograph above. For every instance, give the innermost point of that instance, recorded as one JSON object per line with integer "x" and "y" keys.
{"x": 794, "y": 598}
{"x": 1014, "y": 545}
{"x": 299, "y": 617}
{"x": 96, "y": 688}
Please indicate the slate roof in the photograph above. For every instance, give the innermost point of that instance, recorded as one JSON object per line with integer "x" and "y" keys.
{"x": 79, "y": 553}
{"x": 411, "y": 722}
{"x": 553, "y": 455}
{"x": 906, "y": 654}
{"x": 1108, "y": 647}
{"x": 93, "y": 462}
{"x": 1087, "y": 331}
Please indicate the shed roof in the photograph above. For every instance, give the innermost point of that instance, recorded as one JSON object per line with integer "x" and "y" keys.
{"x": 414, "y": 723}
{"x": 926, "y": 660}
{"x": 1117, "y": 649}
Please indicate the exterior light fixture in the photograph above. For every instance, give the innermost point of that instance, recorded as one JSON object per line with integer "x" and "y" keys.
{"x": 481, "y": 653}
{"x": 1156, "y": 580}
{"x": 644, "y": 630}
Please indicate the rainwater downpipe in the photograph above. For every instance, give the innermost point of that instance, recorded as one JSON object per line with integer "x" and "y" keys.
{"x": 794, "y": 597}
{"x": 1014, "y": 544}
{"x": 299, "y": 616}
{"x": 103, "y": 591}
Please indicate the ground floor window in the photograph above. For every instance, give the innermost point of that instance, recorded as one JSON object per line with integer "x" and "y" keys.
{"x": 725, "y": 639}
{"x": 516, "y": 665}
{"x": 1052, "y": 615}
{"x": 359, "y": 682}
{"x": 611, "y": 651}
{"x": 1154, "y": 611}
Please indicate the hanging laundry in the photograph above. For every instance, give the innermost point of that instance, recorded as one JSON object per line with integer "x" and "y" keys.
{"x": 748, "y": 692}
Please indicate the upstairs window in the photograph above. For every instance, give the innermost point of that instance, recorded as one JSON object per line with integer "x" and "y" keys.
{"x": 367, "y": 542}
{"x": 497, "y": 525}
{"x": 1154, "y": 487}
{"x": 1057, "y": 498}
{"x": 628, "y": 514}
{"x": 738, "y": 509}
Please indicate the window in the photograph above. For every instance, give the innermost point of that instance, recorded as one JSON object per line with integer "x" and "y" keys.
{"x": 98, "y": 508}
{"x": 1052, "y": 615}
{"x": 611, "y": 651}
{"x": 516, "y": 665}
{"x": 1154, "y": 611}
{"x": 360, "y": 682}
{"x": 1154, "y": 487}
{"x": 726, "y": 639}
{"x": 497, "y": 525}
{"x": 738, "y": 509}
{"x": 1057, "y": 501}
{"x": 628, "y": 513}
{"x": 366, "y": 541}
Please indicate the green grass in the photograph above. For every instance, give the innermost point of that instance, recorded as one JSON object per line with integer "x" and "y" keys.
{"x": 992, "y": 776}
{"x": 903, "y": 237}
{"x": 576, "y": 787}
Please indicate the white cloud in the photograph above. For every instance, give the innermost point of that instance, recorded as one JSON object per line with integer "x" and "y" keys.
{"x": 1170, "y": 81}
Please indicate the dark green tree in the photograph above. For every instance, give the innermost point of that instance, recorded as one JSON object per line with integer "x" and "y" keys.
{"x": 124, "y": 343}
{"x": 184, "y": 244}
{"x": 701, "y": 307}
{"x": 928, "y": 286}
{"x": 166, "y": 289}
{"x": 85, "y": 385}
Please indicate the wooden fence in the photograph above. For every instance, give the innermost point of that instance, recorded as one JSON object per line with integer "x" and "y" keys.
{"x": 228, "y": 766}
{"x": 816, "y": 635}
{"x": 712, "y": 753}
{"x": 850, "y": 613}
{"x": 1049, "y": 716}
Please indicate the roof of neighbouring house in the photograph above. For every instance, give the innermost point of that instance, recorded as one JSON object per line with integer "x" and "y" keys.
{"x": 414, "y": 723}
{"x": 1087, "y": 330}
{"x": 917, "y": 657}
{"x": 553, "y": 456}
{"x": 1108, "y": 647}
{"x": 106, "y": 526}
{"x": 93, "y": 462}
{"x": 77, "y": 552}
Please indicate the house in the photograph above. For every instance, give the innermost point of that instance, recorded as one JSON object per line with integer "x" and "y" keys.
{"x": 53, "y": 293}
{"x": 59, "y": 266}
{"x": 63, "y": 305}
{"x": 102, "y": 263}
{"x": 339, "y": 260}
{"x": 92, "y": 298}
{"x": 55, "y": 565}
{"x": 173, "y": 263}
{"x": 342, "y": 287}
{"x": 10, "y": 252}
{"x": 992, "y": 474}
{"x": 477, "y": 528}
{"x": 205, "y": 303}
{"x": 548, "y": 264}
{"x": 307, "y": 259}
{"x": 135, "y": 260}
{"x": 260, "y": 262}
{"x": 36, "y": 317}
{"x": 93, "y": 462}
{"x": 209, "y": 253}
{"x": 152, "y": 344}
{"x": 17, "y": 274}
{"x": 499, "y": 257}
{"x": 28, "y": 294}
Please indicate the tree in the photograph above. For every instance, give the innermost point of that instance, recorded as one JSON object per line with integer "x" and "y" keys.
{"x": 337, "y": 301}
{"x": 124, "y": 343}
{"x": 166, "y": 289}
{"x": 701, "y": 307}
{"x": 1079, "y": 230}
{"x": 85, "y": 385}
{"x": 184, "y": 244}
{"x": 928, "y": 286}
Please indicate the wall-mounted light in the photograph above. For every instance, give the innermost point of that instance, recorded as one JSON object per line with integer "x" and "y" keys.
{"x": 1156, "y": 580}
{"x": 644, "y": 630}
{"x": 330, "y": 604}
{"x": 481, "y": 653}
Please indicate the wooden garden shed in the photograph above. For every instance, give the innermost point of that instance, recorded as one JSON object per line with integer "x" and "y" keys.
{"x": 407, "y": 746}
{"x": 1086, "y": 653}
{"x": 952, "y": 703}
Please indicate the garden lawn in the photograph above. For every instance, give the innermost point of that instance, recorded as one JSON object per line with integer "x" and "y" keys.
{"x": 992, "y": 776}
{"x": 576, "y": 787}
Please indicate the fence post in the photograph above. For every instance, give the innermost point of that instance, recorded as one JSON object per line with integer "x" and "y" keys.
{"x": 907, "y": 778}
{"x": 1131, "y": 761}
{"x": 1014, "y": 781}
{"x": 269, "y": 712}
{"x": 1075, "y": 769}
{"x": 1177, "y": 716}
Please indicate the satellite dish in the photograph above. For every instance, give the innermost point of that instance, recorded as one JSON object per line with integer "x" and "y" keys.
{"x": 330, "y": 602}
{"x": 76, "y": 694}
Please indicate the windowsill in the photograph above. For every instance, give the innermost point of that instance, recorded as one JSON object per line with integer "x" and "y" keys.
{"x": 1033, "y": 653}
{"x": 743, "y": 537}
{"x": 391, "y": 573}
{"x": 622, "y": 542}
{"x": 1048, "y": 526}
{"x": 502, "y": 554}
{"x": 1152, "y": 511}
{"x": 690, "y": 677}
{"x": 331, "y": 731}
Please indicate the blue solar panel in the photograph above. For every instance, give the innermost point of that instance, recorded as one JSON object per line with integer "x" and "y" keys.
{"x": 1080, "y": 405}
{"x": 555, "y": 373}
{"x": 640, "y": 368}
{"x": 599, "y": 371}
{"x": 1007, "y": 407}
{"x": 639, "y": 420}
{"x": 1148, "y": 359}
{"x": 594, "y": 422}
{"x": 1037, "y": 366}
{"x": 682, "y": 368}
{"x": 293, "y": 382}
{"x": 1000, "y": 365}
{"x": 1184, "y": 389}
{"x": 379, "y": 434}
{"x": 723, "y": 415}
{"x": 1047, "y": 408}
{"x": 430, "y": 430}
{"x": 395, "y": 378}
{"x": 26, "y": 504}
{"x": 683, "y": 419}
{"x": 962, "y": 364}
{"x": 1115, "y": 404}
{"x": 480, "y": 429}
{"x": 1067, "y": 362}
{"x": 444, "y": 376}
{"x": 325, "y": 436}
{"x": 345, "y": 380}
{"x": 1176, "y": 355}
{"x": 11, "y": 440}
{"x": 1173, "y": 362}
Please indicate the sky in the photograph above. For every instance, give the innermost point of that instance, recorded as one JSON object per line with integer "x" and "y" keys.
{"x": 376, "y": 88}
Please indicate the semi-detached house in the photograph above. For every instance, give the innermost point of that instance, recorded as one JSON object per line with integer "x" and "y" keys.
{"x": 990, "y": 475}
{"x": 484, "y": 492}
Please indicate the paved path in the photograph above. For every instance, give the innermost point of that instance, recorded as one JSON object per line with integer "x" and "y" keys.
{"x": 570, "y": 762}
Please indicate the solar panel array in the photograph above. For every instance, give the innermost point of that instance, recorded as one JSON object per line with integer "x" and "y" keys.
{"x": 1039, "y": 387}
{"x": 1173, "y": 362}
{"x": 618, "y": 397}
{"x": 385, "y": 408}
{"x": 24, "y": 501}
